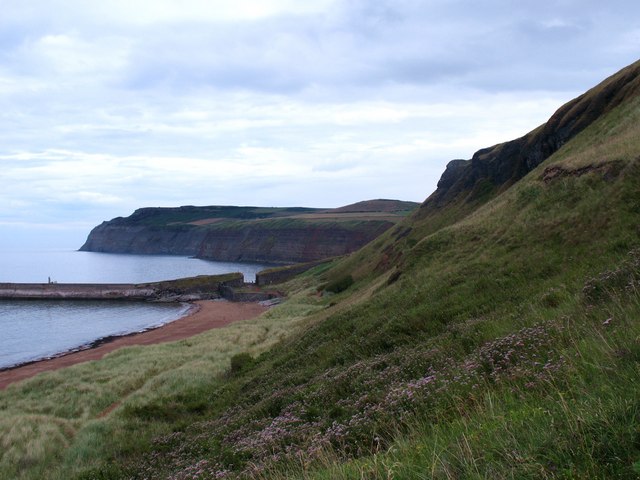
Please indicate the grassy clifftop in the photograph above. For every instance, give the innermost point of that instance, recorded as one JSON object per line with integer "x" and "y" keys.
{"x": 207, "y": 215}
{"x": 249, "y": 234}
{"x": 485, "y": 339}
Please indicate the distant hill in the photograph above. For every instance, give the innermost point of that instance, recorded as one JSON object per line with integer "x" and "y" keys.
{"x": 250, "y": 234}
{"x": 494, "y": 332}
{"x": 380, "y": 205}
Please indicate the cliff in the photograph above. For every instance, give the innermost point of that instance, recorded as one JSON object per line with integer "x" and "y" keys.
{"x": 304, "y": 242}
{"x": 145, "y": 239}
{"x": 249, "y": 234}
{"x": 494, "y": 169}
{"x": 503, "y": 345}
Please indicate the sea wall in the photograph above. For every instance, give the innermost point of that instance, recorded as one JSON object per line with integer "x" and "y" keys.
{"x": 71, "y": 291}
{"x": 202, "y": 287}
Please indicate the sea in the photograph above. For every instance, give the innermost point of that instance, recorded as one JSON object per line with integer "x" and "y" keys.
{"x": 32, "y": 330}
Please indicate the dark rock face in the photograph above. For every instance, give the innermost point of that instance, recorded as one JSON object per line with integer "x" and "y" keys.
{"x": 121, "y": 238}
{"x": 248, "y": 234}
{"x": 298, "y": 244}
{"x": 504, "y": 164}
{"x": 235, "y": 244}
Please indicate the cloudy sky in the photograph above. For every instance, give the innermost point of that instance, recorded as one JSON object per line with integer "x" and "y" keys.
{"x": 113, "y": 105}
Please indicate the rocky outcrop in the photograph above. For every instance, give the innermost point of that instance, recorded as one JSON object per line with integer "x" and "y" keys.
{"x": 495, "y": 168}
{"x": 248, "y": 234}
{"x": 303, "y": 243}
{"x": 113, "y": 237}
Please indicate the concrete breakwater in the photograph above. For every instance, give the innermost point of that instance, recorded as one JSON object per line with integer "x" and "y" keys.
{"x": 230, "y": 286}
{"x": 202, "y": 287}
{"x": 72, "y": 291}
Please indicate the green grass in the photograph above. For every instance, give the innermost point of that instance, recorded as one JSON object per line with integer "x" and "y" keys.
{"x": 186, "y": 214}
{"x": 51, "y": 421}
{"x": 581, "y": 422}
{"x": 493, "y": 340}
{"x": 284, "y": 223}
{"x": 179, "y": 217}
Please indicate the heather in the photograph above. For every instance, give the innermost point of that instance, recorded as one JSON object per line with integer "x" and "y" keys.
{"x": 492, "y": 337}
{"x": 574, "y": 372}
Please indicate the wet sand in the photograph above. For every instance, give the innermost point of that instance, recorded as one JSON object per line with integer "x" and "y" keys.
{"x": 205, "y": 316}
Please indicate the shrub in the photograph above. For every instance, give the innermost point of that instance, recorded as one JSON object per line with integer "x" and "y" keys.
{"x": 394, "y": 277}
{"x": 339, "y": 285}
{"x": 240, "y": 362}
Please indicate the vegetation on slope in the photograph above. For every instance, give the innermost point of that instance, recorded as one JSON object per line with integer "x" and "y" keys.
{"x": 186, "y": 215}
{"x": 249, "y": 234}
{"x": 62, "y": 422}
{"x": 502, "y": 344}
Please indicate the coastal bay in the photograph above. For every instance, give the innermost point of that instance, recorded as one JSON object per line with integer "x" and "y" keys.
{"x": 205, "y": 316}
{"x": 38, "y": 329}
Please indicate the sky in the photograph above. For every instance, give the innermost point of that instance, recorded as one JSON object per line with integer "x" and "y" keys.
{"x": 109, "y": 106}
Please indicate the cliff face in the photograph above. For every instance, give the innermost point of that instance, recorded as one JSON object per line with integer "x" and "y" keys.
{"x": 143, "y": 239}
{"x": 244, "y": 244}
{"x": 285, "y": 245}
{"x": 248, "y": 234}
{"x": 495, "y": 168}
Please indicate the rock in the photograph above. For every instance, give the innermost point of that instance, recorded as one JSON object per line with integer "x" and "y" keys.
{"x": 248, "y": 234}
{"x": 500, "y": 166}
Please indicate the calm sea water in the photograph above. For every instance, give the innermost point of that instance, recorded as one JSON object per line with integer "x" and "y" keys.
{"x": 32, "y": 330}
{"x": 68, "y": 266}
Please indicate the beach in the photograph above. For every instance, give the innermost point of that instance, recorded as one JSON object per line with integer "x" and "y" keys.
{"x": 205, "y": 315}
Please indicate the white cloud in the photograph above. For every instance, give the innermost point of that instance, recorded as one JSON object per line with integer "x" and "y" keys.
{"x": 148, "y": 12}
{"x": 109, "y": 106}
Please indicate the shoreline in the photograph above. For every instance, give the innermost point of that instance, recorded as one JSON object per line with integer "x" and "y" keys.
{"x": 191, "y": 309}
{"x": 203, "y": 315}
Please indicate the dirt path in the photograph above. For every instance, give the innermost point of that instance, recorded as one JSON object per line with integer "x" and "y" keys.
{"x": 208, "y": 315}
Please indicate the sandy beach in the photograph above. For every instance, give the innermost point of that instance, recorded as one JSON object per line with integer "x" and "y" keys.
{"x": 206, "y": 315}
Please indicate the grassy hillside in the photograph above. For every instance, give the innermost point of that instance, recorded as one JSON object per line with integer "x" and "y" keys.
{"x": 207, "y": 215}
{"x": 249, "y": 234}
{"x": 488, "y": 337}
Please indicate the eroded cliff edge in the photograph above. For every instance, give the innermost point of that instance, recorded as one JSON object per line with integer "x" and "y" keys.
{"x": 494, "y": 169}
{"x": 248, "y": 234}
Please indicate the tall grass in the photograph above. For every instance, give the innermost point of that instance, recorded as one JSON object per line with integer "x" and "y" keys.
{"x": 499, "y": 342}
{"x": 583, "y": 422}
{"x": 56, "y": 417}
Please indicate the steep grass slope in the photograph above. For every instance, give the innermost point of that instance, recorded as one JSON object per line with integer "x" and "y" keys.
{"x": 466, "y": 184}
{"x": 492, "y": 338}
